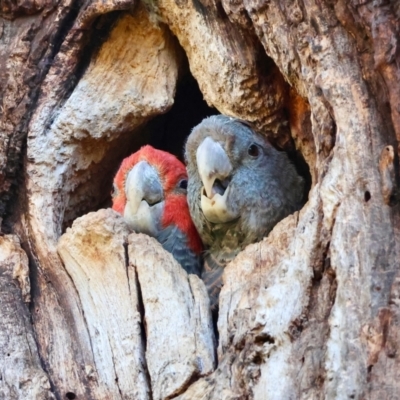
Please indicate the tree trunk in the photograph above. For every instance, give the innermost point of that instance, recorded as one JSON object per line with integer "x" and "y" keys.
{"x": 89, "y": 310}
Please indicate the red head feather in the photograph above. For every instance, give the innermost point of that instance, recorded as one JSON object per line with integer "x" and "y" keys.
{"x": 171, "y": 171}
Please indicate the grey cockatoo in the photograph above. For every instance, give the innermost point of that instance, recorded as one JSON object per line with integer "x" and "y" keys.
{"x": 150, "y": 192}
{"x": 239, "y": 188}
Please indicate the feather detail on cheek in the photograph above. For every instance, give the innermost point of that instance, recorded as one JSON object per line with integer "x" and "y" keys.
{"x": 127, "y": 164}
{"x": 176, "y": 212}
{"x": 119, "y": 204}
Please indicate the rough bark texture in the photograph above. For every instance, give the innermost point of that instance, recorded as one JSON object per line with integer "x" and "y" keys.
{"x": 180, "y": 341}
{"x": 93, "y": 252}
{"x": 311, "y": 312}
{"x": 117, "y": 278}
{"x": 21, "y": 373}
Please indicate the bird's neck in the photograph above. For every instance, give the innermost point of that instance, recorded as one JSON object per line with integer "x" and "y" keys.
{"x": 176, "y": 212}
{"x": 224, "y": 244}
{"x": 225, "y": 241}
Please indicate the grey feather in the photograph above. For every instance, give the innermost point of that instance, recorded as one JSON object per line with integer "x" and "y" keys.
{"x": 264, "y": 189}
{"x": 175, "y": 241}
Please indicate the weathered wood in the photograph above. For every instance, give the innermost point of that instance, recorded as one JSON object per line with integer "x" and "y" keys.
{"x": 21, "y": 373}
{"x": 310, "y": 312}
{"x": 350, "y": 244}
{"x": 180, "y": 339}
{"x": 115, "y": 277}
{"x": 228, "y": 63}
{"x": 27, "y": 49}
{"x": 119, "y": 89}
{"x": 360, "y": 249}
{"x": 94, "y": 254}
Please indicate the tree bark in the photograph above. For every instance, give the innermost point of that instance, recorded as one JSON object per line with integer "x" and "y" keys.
{"x": 312, "y": 311}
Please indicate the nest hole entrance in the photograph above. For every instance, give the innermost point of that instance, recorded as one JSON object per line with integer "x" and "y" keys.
{"x": 166, "y": 132}
{"x": 169, "y": 131}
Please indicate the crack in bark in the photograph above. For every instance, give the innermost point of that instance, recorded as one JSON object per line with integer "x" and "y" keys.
{"x": 115, "y": 371}
{"x": 80, "y": 304}
{"x": 141, "y": 310}
{"x": 126, "y": 257}
{"x": 14, "y": 165}
{"x": 185, "y": 385}
{"x": 31, "y": 312}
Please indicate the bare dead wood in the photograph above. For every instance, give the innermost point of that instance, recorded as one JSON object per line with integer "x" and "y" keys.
{"x": 176, "y": 309}
{"x": 21, "y": 373}
{"x": 93, "y": 253}
{"x": 77, "y": 125}
{"x": 115, "y": 277}
{"x": 310, "y": 312}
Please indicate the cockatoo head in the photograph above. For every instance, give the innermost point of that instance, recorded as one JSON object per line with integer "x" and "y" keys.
{"x": 239, "y": 185}
{"x": 150, "y": 191}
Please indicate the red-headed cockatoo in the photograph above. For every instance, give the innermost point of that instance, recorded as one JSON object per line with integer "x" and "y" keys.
{"x": 239, "y": 188}
{"x": 150, "y": 190}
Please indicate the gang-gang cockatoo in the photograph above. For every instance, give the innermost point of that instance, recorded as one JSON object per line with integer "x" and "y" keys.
{"x": 239, "y": 188}
{"x": 150, "y": 191}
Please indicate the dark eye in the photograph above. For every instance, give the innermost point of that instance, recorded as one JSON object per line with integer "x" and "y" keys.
{"x": 253, "y": 150}
{"x": 183, "y": 184}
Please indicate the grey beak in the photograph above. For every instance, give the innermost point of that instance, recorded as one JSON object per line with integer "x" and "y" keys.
{"x": 145, "y": 195}
{"x": 213, "y": 163}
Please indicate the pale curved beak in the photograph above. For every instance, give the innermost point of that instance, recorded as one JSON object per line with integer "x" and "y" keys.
{"x": 214, "y": 169}
{"x": 145, "y": 199}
